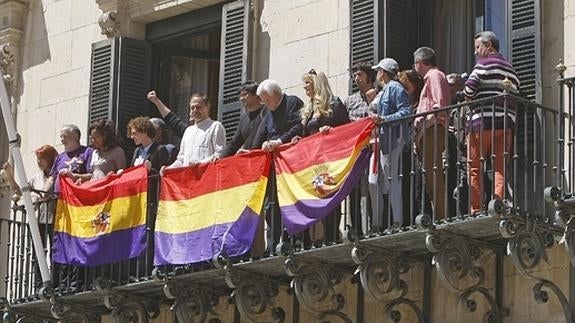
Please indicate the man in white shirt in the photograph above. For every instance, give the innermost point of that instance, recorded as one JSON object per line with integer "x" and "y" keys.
{"x": 204, "y": 141}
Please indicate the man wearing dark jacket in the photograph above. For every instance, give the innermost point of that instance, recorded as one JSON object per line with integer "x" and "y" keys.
{"x": 283, "y": 122}
{"x": 247, "y": 135}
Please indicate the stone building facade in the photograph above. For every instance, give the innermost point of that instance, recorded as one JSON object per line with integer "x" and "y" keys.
{"x": 73, "y": 61}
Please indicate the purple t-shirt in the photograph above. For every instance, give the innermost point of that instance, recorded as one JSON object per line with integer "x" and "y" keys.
{"x": 77, "y": 161}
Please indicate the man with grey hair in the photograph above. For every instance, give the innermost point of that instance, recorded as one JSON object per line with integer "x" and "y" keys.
{"x": 284, "y": 121}
{"x": 279, "y": 126}
{"x": 73, "y": 161}
{"x": 490, "y": 125}
{"x": 431, "y": 129}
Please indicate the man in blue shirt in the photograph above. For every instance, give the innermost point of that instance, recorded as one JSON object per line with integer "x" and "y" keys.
{"x": 392, "y": 105}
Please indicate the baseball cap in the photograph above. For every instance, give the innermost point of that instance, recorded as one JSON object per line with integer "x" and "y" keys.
{"x": 387, "y": 64}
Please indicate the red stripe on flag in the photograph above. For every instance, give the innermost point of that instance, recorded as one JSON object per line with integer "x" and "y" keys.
{"x": 132, "y": 181}
{"x": 320, "y": 148}
{"x": 190, "y": 182}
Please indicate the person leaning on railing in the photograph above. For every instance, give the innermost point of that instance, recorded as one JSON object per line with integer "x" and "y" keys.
{"x": 42, "y": 194}
{"x": 393, "y": 104}
{"x": 153, "y": 155}
{"x": 320, "y": 113}
{"x": 489, "y": 126}
{"x": 358, "y": 106}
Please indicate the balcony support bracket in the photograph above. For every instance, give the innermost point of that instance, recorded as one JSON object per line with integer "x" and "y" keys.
{"x": 528, "y": 240}
{"x": 457, "y": 261}
{"x": 314, "y": 285}
{"x": 127, "y": 307}
{"x": 191, "y": 303}
{"x": 254, "y": 295}
{"x": 380, "y": 276}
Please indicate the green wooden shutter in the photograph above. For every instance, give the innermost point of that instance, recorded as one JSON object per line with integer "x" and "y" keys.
{"x": 400, "y": 30}
{"x": 119, "y": 82}
{"x": 102, "y": 80}
{"x": 525, "y": 47}
{"x": 133, "y": 85}
{"x": 364, "y": 33}
{"x": 234, "y": 62}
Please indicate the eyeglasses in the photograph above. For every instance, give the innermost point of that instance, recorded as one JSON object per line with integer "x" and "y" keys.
{"x": 312, "y": 72}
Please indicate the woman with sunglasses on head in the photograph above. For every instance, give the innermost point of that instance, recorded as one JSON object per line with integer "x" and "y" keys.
{"x": 321, "y": 112}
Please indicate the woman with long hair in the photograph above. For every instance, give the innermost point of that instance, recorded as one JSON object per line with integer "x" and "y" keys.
{"x": 108, "y": 157}
{"x": 321, "y": 112}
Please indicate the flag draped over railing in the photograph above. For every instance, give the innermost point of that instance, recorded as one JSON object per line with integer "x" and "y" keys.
{"x": 101, "y": 221}
{"x": 317, "y": 173}
{"x": 210, "y": 209}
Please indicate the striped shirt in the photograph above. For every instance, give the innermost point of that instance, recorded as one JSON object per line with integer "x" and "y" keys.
{"x": 484, "y": 82}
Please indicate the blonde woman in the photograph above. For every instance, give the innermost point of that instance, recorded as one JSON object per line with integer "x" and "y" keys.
{"x": 321, "y": 112}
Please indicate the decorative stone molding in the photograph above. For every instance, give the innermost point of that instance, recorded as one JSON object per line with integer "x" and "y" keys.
{"x": 314, "y": 286}
{"x": 457, "y": 261}
{"x": 7, "y": 66}
{"x": 109, "y": 24}
{"x": 12, "y": 17}
{"x": 379, "y": 274}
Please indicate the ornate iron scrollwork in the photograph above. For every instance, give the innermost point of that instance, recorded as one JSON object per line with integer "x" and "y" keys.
{"x": 253, "y": 296}
{"x": 127, "y": 307}
{"x": 313, "y": 284}
{"x": 74, "y": 313}
{"x": 529, "y": 239}
{"x": 192, "y": 303}
{"x": 455, "y": 260}
{"x": 380, "y": 277}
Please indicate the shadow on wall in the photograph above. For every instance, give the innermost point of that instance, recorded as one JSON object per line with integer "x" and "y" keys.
{"x": 261, "y": 44}
{"x": 35, "y": 49}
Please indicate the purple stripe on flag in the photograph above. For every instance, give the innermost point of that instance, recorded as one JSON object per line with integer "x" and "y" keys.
{"x": 304, "y": 213}
{"x": 205, "y": 244}
{"x": 103, "y": 249}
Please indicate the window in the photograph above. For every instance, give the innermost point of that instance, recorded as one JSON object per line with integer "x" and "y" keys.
{"x": 448, "y": 26}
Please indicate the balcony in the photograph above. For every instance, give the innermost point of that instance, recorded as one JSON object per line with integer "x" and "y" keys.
{"x": 306, "y": 272}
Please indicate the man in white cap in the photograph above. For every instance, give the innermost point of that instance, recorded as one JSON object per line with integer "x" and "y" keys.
{"x": 392, "y": 105}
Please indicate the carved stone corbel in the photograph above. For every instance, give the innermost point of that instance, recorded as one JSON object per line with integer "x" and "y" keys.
{"x": 192, "y": 304}
{"x": 7, "y": 66}
{"x": 457, "y": 263}
{"x": 314, "y": 284}
{"x": 253, "y": 296}
{"x": 379, "y": 274}
{"x": 109, "y": 24}
{"x": 127, "y": 307}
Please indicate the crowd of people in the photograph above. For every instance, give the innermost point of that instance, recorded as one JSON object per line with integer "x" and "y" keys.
{"x": 385, "y": 94}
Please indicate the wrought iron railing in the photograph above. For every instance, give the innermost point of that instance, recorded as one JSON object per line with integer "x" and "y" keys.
{"x": 536, "y": 152}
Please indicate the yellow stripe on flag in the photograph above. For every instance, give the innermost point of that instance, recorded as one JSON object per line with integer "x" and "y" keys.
{"x": 82, "y": 222}
{"x": 183, "y": 216}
